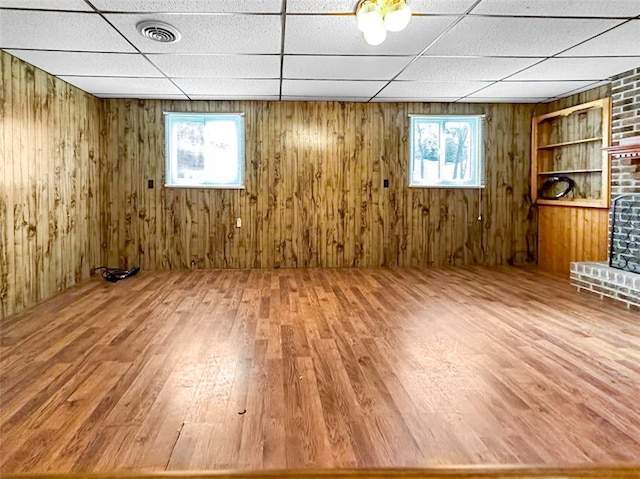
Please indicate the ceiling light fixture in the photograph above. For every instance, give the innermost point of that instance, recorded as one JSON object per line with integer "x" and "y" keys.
{"x": 158, "y": 31}
{"x": 377, "y": 17}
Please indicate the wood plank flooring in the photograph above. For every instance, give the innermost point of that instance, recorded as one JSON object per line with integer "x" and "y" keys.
{"x": 319, "y": 368}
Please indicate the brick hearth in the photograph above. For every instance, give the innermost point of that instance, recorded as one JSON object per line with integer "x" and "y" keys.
{"x": 607, "y": 282}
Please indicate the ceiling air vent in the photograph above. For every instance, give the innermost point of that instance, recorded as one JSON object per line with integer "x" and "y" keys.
{"x": 158, "y": 31}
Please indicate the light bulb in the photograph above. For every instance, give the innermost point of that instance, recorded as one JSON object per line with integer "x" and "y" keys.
{"x": 397, "y": 17}
{"x": 369, "y": 16}
{"x": 375, "y": 36}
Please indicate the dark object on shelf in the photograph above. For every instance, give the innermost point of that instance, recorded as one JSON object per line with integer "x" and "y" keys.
{"x": 551, "y": 182}
{"x": 114, "y": 275}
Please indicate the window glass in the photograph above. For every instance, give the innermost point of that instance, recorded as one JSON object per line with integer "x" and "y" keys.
{"x": 447, "y": 151}
{"x": 204, "y": 150}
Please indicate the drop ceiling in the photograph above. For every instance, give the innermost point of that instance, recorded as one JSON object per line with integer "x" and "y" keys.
{"x": 452, "y": 51}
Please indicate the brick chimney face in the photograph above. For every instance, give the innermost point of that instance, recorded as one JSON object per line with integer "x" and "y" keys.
{"x": 625, "y": 123}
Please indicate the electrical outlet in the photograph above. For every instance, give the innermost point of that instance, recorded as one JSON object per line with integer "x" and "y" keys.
{"x": 238, "y": 222}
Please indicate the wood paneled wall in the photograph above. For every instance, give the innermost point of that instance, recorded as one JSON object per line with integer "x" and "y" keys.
{"x": 573, "y": 100}
{"x": 74, "y": 189}
{"x": 49, "y": 201}
{"x": 314, "y": 191}
{"x": 567, "y": 233}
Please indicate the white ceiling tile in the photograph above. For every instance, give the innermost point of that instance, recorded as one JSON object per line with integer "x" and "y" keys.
{"x": 123, "y": 86}
{"x": 331, "y": 88}
{"x": 588, "y": 86}
{"x": 324, "y": 98}
{"x": 523, "y": 89}
{"x": 440, "y": 6}
{"x": 226, "y": 50}
{"x": 228, "y": 88}
{"x": 314, "y": 34}
{"x": 623, "y": 40}
{"x": 564, "y": 8}
{"x": 88, "y": 64}
{"x": 77, "y": 5}
{"x": 323, "y": 6}
{"x": 517, "y": 36}
{"x": 194, "y": 6}
{"x": 464, "y": 68}
{"x": 218, "y": 66}
{"x": 503, "y": 100}
{"x": 578, "y": 68}
{"x": 414, "y": 99}
{"x": 343, "y": 68}
{"x": 234, "y": 97}
{"x": 419, "y": 89}
{"x": 144, "y": 96}
{"x": 349, "y": 6}
{"x": 207, "y": 33}
{"x": 59, "y": 31}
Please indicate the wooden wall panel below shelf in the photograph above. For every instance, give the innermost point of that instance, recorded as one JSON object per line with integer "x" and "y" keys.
{"x": 568, "y": 234}
{"x": 573, "y": 203}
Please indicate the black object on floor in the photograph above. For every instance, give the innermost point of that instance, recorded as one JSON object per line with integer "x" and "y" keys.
{"x": 114, "y": 275}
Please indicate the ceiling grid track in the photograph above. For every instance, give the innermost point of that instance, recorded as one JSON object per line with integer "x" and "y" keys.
{"x": 283, "y": 14}
{"x": 556, "y": 55}
{"x": 484, "y": 51}
{"x": 449, "y": 28}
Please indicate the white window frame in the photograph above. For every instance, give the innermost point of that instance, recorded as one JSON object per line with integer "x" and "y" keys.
{"x": 476, "y": 157}
{"x": 229, "y": 178}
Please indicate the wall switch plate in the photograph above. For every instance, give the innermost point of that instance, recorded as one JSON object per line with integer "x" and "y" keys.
{"x": 385, "y": 183}
{"x": 150, "y": 184}
{"x": 238, "y": 222}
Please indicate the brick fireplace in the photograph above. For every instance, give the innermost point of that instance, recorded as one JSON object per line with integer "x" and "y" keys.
{"x": 624, "y": 234}
{"x": 619, "y": 278}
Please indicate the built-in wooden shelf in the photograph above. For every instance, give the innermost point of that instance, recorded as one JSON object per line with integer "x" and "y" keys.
{"x": 573, "y": 142}
{"x": 579, "y": 202}
{"x": 569, "y": 143}
{"x": 570, "y": 172}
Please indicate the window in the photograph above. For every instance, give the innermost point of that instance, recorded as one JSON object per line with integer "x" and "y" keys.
{"x": 204, "y": 150}
{"x": 447, "y": 151}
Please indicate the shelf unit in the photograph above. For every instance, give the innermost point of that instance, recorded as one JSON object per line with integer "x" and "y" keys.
{"x": 572, "y": 142}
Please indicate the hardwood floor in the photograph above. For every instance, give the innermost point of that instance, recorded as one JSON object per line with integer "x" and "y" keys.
{"x": 350, "y": 368}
